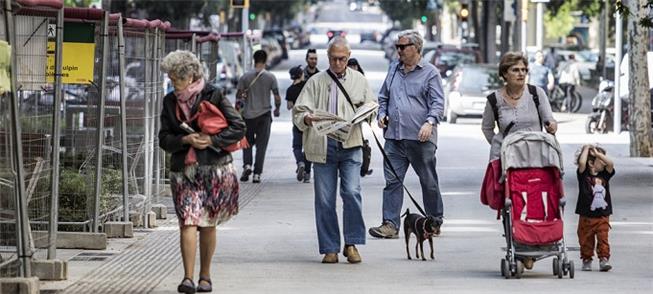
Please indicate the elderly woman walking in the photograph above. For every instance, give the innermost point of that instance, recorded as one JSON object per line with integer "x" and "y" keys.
{"x": 202, "y": 178}
{"x": 517, "y": 106}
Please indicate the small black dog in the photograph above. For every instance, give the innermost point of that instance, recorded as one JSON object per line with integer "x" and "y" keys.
{"x": 424, "y": 228}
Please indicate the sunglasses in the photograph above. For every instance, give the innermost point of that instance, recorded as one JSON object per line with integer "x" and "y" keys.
{"x": 403, "y": 46}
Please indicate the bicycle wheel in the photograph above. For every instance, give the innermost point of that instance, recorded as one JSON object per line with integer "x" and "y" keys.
{"x": 576, "y": 102}
{"x": 557, "y": 98}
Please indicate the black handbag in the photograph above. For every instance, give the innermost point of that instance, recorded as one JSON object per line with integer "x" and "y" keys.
{"x": 367, "y": 150}
{"x": 367, "y": 158}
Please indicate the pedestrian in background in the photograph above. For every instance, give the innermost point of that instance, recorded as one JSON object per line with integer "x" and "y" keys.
{"x": 203, "y": 181}
{"x": 594, "y": 205}
{"x": 311, "y": 64}
{"x": 333, "y": 160}
{"x": 303, "y": 171}
{"x": 569, "y": 78}
{"x": 551, "y": 60}
{"x": 254, "y": 88}
{"x": 353, "y": 63}
{"x": 411, "y": 104}
{"x": 540, "y": 75}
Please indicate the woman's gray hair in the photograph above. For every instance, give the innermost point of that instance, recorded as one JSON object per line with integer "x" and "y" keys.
{"x": 414, "y": 38}
{"x": 338, "y": 41}
{"x": 182, "y": 64}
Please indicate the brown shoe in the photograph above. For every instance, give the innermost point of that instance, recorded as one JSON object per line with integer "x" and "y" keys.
{"x": 352, "y": 254}
{"x": 330, "y": 258}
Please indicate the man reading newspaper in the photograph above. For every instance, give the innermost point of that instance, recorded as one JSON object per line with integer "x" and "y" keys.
{"x": 332, "y": 140}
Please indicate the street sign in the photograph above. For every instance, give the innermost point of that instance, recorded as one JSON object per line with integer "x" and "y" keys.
{"x": 52, "y": 31}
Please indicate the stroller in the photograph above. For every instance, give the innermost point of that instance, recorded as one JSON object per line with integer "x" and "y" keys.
{"x": 531, "y": 166}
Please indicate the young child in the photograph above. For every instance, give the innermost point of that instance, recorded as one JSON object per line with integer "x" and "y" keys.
{"x": 303, "y": 166}
{"x": 594, "y": 205}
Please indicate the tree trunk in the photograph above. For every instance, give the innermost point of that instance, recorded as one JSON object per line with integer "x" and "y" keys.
{"x": 516, "y": 27}
{"x": 475, "y": 23}
{"x": 491, "y": 31}
{"x": 483, "y": 32}
{"x": 639, "y": 104}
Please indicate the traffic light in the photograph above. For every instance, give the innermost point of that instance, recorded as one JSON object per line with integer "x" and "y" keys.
{"x": 252, "y": 16}
{"x": 464, "y": 12}
{"x": 424, "y": 18}
{"x": 240, "y": 3}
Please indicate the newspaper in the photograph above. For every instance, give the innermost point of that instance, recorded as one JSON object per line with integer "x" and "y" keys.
{"x": 338, "y": 128}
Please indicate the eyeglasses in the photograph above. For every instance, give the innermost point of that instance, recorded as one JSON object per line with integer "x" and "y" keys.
{"x": 403, "y": 46}
{"x": 519, "y": 69}
{"x": 338, "y": 59}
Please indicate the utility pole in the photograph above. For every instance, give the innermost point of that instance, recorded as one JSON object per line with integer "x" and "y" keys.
{"x": 539, "y": 23}
{"x": 617, "y": 72}
{"x": 524, "y": 25}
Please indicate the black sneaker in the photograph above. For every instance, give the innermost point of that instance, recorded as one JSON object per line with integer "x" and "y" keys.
{"x": 307, "y": 178}
{"x": 247, "y": 170}
{"x": 256, "y": 178}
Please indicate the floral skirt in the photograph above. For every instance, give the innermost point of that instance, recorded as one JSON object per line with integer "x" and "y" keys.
{"x": 205, "y": 196}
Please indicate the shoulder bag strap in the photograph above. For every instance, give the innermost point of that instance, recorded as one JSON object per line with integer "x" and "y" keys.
{"x": 533, "y": 91}
{"x": 255, "y": 79}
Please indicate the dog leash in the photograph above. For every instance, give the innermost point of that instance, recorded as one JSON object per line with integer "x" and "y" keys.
{"x": 378, "y": 143}
{"x": 394, "y": 173}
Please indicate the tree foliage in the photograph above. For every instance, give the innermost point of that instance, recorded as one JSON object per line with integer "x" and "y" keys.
{"x": 279, "y": 11}
{"x": 559, "y": 22}
{"x": 403, "y": 11}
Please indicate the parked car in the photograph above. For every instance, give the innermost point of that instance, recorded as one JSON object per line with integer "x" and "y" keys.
{"x": 273, "y": 49}
{"x": 447, "y": 58}
{"x": 280, "y": 36}
{"x": 467, "y": 89}
{"x": 332, "y": 33}
{"x": 298, "y": 37}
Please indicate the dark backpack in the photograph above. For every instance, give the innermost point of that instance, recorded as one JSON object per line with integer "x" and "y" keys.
{"x": 492, "y": 99}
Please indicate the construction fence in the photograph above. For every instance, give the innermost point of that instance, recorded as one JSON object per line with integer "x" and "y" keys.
{"x": 79, "y": 120}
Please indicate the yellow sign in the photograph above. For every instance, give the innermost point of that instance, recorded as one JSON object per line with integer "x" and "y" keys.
{"x": 77, "y": 65}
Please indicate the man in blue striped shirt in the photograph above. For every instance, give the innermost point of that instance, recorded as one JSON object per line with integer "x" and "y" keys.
{"x": 411, "y": 104}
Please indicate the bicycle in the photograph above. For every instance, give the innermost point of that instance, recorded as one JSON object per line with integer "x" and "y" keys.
{"x": 557, "y": 100}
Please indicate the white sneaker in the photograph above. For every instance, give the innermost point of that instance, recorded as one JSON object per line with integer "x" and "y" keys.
{"x": 256, "y": 178}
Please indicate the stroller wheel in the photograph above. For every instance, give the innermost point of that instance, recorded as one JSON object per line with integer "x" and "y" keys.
{"x": 519, "y": 269}
{"x": 505, "y": 270}
{"x": 560, "y": 270}
{"x": 571, "y": 269}
{"x": 555, "y": 266}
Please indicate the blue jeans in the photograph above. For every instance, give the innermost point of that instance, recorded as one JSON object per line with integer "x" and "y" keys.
{"x": 421, "y": 155}
{"x": 344, "y": 164}
{"x": 297, "y": 149}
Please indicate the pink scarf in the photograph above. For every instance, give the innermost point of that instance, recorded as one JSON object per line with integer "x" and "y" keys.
{"x": 186, "y": 98}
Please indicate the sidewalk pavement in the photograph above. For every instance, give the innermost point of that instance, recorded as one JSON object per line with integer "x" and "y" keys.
{"x": 271, "y": 246}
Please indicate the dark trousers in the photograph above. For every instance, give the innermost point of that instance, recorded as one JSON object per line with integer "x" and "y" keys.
{"x": 421, "y": 155}
{"x": 297, "y": 149}
{"x": 258, "y": 134}
{"x": 593, "y": 233}
{"x": 569, "y": 89}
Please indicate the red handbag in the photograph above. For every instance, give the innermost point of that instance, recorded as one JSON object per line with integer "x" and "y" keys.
{"x": 211, "y": 122}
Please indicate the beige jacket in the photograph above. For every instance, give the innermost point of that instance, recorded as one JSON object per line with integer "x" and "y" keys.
{"x": 315, "y": 95}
